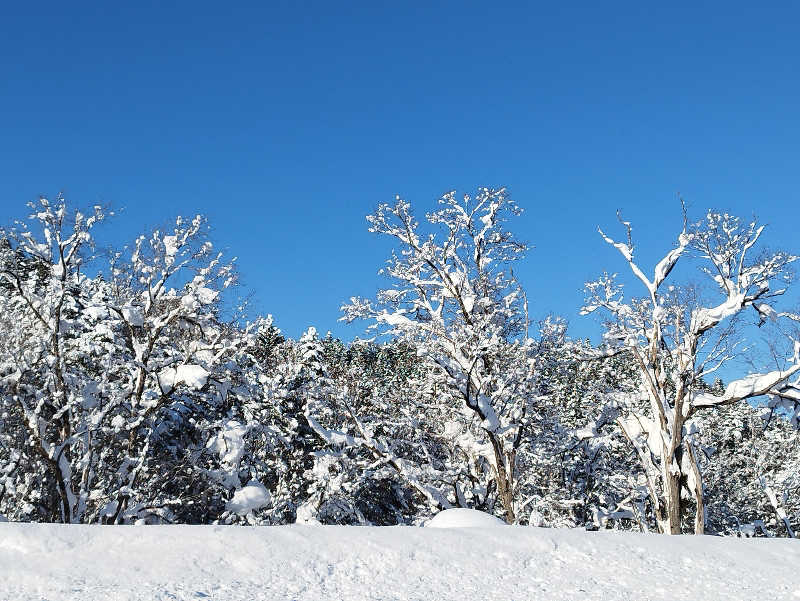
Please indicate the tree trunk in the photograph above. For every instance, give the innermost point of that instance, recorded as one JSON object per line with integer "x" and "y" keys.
{"x": 61, "y": 487}
{"x": 672, "y": 498}
{"x": 700, "y": 512}
{"x": 505, "y": 484}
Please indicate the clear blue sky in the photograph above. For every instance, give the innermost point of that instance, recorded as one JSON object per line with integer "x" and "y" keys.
{"x": 287, "y": 122}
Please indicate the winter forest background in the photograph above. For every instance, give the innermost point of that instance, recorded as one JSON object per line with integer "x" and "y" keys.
{"x": 136, "y": 387}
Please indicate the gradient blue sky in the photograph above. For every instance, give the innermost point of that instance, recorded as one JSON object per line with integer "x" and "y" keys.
{"x": 286, "y": 123}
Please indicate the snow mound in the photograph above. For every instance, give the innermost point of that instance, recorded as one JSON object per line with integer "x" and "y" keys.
{"x": 463, "y": 518}
{"x": 249, "y": 498}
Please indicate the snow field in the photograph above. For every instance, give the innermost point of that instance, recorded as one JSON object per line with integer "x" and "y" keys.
{"x": 46, "y": 562}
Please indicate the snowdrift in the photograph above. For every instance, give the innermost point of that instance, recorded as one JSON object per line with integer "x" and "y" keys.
{"x": 94, "y": 563}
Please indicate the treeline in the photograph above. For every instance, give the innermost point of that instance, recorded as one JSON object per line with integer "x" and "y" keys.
{"x": 130, "y": 393}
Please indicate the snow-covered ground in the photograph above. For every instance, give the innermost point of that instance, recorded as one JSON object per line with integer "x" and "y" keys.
{"x": 56, "y": 563}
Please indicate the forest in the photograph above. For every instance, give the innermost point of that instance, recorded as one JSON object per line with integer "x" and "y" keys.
{"x": 136, "y": 389}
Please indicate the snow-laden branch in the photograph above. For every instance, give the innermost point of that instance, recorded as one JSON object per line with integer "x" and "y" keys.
{"x": 745, "y": 388}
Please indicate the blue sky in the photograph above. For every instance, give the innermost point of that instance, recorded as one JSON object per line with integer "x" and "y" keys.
{"x": 286, "y": 124}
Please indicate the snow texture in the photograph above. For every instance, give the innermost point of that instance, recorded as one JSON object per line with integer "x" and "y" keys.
{"x": 46, "y": 562}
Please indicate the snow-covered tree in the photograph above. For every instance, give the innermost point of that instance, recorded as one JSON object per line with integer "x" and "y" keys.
{"x": 44, "y": 390}
{"x": 268, "y": 442}
{"x": 591, "y": 477}
{"x": 750, "y": 463}
{"x": 453, "y": 296}
{"x": 109, "y": 384}
{"x": 670, "y": 335}
{"x": 171, "y": 371}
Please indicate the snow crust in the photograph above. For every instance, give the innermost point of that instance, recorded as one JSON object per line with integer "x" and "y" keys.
{"x": 154, "y": 563}
{"x": 463, "y": 518}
